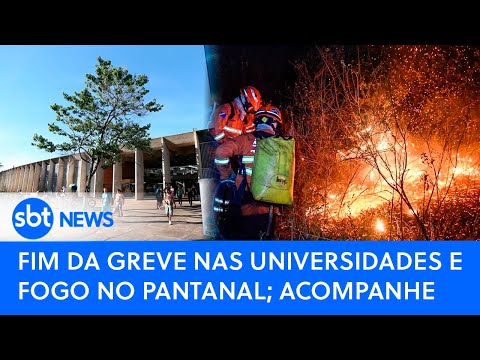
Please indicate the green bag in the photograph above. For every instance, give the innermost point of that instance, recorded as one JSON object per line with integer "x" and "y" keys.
{"x": 274, "y": 170}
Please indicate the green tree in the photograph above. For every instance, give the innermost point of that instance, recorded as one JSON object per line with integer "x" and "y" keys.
{"x": 101, "y": 120}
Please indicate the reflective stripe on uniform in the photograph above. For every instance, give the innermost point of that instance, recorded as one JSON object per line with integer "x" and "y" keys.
{"x": 221, "y": 161}
{"x": 219, "y": 136}
{"x": 217, "y": 209}
{"x": 248, "y": 171}
{"x": 222, "y": 201}
{"x": 247, "y": 159}
{"x": 233, "y": 130}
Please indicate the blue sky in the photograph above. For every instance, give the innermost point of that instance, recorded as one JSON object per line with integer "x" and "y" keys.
{"x": 34, "y": 77}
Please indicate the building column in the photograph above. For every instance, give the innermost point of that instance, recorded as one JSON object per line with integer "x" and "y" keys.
{"x": 98, "y": 182}
{"x": 15, "y": 179}
{"x": 26, "y": 175}
{"x": 61, "y": 166}
{"x": 31, "y": 173}
{"x": 70, "y": 171}
{"x": 10, "y": 180}
{"x": 4, "y": 181}
{"x": 51, "y": 171}
{"x": 82, "y": 168}
{"x": 19, "y": 179}
{"x": 43, "y": 173}
{"x": 21, "y": 174}
{"x": 198, "y": 153}
{"x": 167, "y": 178}
{"x": 139, "y": 175}
{"x": 117, "y": 177}
{"x": 36, "y": 177}
{"x": 13, "y": 185}
{"x": 7, "y": 180}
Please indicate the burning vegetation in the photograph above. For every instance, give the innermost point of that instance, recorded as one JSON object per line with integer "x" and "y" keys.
{"x": 387, "y": 144}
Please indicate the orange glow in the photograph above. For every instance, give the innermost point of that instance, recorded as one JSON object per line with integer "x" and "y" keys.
{"x": 380, "y": 226}
{"x": 420, "y": 175}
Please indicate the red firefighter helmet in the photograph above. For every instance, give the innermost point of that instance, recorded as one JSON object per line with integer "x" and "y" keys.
{"x": 250, "y": 98}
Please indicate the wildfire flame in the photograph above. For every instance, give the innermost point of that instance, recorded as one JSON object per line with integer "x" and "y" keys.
{"x": 394, "y": 138}
{"x": 380, "y": 226}
{"x": 372, "y": 186}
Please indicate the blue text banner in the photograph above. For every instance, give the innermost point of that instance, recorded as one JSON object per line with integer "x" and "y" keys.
{"x": 240, "y": 278}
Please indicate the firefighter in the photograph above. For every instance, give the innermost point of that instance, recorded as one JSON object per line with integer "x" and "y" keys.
{"x": 253, "y": 219}
{"x": 235, "y": 118}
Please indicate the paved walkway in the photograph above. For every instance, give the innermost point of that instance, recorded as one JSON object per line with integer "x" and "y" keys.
{"x": 141, "y": 221}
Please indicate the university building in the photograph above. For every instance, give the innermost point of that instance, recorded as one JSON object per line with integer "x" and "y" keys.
{"x": 176, "y": 159}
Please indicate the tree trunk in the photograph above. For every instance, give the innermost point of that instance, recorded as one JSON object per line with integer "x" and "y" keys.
{"x": 91, "y": 172}
{"x": 422, "y": 227}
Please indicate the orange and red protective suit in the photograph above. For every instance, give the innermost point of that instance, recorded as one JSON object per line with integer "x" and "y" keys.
{"x": 255, "y": 215}
{"x": 230, "y": 120}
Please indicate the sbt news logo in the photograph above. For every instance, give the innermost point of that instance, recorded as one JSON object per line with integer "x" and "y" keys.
{"x": 33, "y": 218}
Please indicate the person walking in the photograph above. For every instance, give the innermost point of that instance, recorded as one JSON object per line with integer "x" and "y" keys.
{"x": 168, "y": 203}
{"x": 106, "y": 200}
{"x": 180, "y": 194}
{"x": 191, "y": 195}
{"x": 119, "y": 201}
{"x": 168, "y": 188}
{"x": 159, "y": 196}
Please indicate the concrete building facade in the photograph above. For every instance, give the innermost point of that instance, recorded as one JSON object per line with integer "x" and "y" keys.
{"x": 176, "y": 159}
